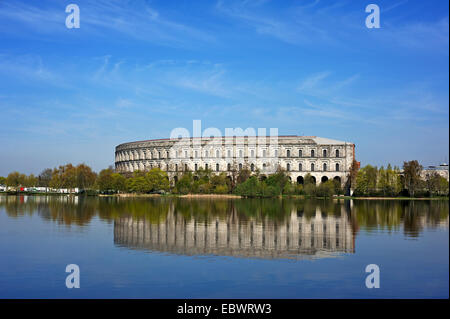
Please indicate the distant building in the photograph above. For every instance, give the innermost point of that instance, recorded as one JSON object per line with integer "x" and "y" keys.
{"x": 442, "y": 170}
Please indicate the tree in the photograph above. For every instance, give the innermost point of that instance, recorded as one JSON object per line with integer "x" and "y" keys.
{"x": 2, "y": 180}
{"x": 157, "y": 180}
{"x": 411, "y": 171}
{"x": 351, "y": 180}
{"x": 119, "y": 182}
{"x": 85, "y": 177}
{"x": 366, "y": 180}
{"x": 45, "y": 177}
{"x": 30, "y": 181}
{"x": 243, "y": 175}
{"x": 15, "y": 179}
{"x": 105, "y": 180}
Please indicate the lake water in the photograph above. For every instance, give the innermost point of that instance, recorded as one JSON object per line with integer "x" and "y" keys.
{"x": 222, "y": 248}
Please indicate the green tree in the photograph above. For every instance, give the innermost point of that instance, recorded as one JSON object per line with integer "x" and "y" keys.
{"x": 15, "y": 179}
{"x": 157, "y": 180}
{"x": 119, "y": 182}
{"x": 2, "y": 180}
{"x": 105, "y": 180}
{"x": 85, "y": 177}
{"x": 412, "y": 171}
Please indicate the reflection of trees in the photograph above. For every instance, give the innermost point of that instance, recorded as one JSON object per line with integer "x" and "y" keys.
{"x": 66, "y": 210}
{"x": 414, "y": 216}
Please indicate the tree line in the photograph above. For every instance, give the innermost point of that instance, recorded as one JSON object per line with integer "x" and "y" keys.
{"x": 366, "y": 181}
{"x": 393, "y": 182}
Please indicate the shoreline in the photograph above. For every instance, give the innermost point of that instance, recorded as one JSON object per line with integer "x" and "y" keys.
{"x": 222, "y": 196}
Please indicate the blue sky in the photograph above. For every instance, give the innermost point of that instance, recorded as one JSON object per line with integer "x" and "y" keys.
{"x": 135, "y": 70}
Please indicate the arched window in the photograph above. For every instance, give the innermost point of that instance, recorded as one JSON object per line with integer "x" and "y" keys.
{"x": 240, "y": 166}
{"x": 185, "y": 154}
{"x": 228, "y": 167}
{"x": 159, "y": 154}
{"x": 337, "y": 153}
{"x": 217, "y": 167}
{"x": 324, "y": 153}
{"x": 337, "y": 167}
{"x": 240, "y": 153}
{"x": 196, "y": 154}
{"x": 176, "y": 167}
{"x": 252, "y": 167}
{"x": 217, "y": 153}
{"x": 300, "y": 154}
{"x": 185, "y": 167}
{"x": 252, "y": 153}
{"x": 288, "y": 167}
{"x": 300, "y": 168}
{"x": 229, "y": 154}
{"x": 195, "y": 167}
{"x": 276, "y": 153}
{"x": 324, "y": 167}
{"x": 206, "y": 166}
{"x": 264, "y": 153}
{"x": 312, "y": 167}
{"x": 312, "y": 153}
{"x": 288, "y": 153}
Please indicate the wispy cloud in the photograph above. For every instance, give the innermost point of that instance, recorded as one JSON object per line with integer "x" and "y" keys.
{"x": 104, "y": 19}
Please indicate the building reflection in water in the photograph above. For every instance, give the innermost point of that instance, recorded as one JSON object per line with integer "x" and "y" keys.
{"x": 296, "y": 237}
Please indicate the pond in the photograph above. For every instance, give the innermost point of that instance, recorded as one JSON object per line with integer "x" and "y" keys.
{"x": 170, "y": 247}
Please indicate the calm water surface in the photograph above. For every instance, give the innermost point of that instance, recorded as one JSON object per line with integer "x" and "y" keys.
{"x": 211, "y": 248}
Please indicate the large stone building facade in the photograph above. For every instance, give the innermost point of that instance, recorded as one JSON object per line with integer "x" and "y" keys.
{"x": 322, "y": 158}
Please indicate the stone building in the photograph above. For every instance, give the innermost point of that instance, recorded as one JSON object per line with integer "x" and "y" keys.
{"x": 322, "y": 158}
{"x": 441, "y": 170}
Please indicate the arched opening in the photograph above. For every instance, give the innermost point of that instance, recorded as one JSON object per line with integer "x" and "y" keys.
{"x": 252, "y": 167}
{"x": 263, "y": 178}
{"x": 324, "y": 179}
{"x": 324, "y": 167}
{"x": 313, "y": 180}
{"x": 217, "y": 167}
{"x": 312, "y": 153}
{"x": 175, "y": 179}
{"x": 300, "y": 180}
{"x": 288, "y": 153}
{"x": 300, "y": 167}
{"x": 300, "y": 153}
{"x": 312, "y": 167}
{"x": 337, "y": 153}
{"x": 337, "y": 178}
{"x": 288, "y": 167}
{"x": 228, "y": 167}
{"x": 240, "y": 166}
{"x": 337, "y": 167}
{"x": 324, "y": 153}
